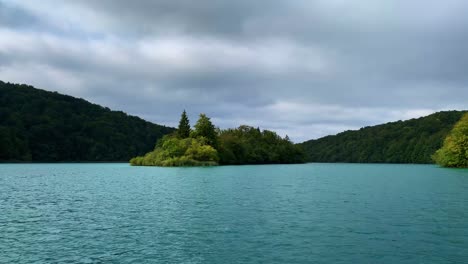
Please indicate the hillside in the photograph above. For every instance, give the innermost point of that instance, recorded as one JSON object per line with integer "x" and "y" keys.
{"x": 37, "y": 125}
{"x": 410, "y": 141}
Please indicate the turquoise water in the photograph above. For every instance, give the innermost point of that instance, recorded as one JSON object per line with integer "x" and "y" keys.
{"x": 311, "y": 213}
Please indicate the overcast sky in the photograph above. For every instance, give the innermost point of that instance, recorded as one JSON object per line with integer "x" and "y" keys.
{"x": 300, "y": 67}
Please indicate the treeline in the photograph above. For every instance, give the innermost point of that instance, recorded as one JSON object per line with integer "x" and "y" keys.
{"x": 249, "y": 145}
{"x": 206, "y": 145}
{"x": 42, "y": 126}
{"x": 411, "y": 141}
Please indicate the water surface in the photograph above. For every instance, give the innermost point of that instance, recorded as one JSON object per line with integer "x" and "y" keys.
{"x": 311, "y": 213}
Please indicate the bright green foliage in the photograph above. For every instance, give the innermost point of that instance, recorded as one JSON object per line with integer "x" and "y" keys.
{"x": 173, "y": 151}
{"x": 204, "y": 128}
{"x": 454, "y": 152}
{"x": 248, "y": 145}
{"x": 183, "y": 131}
{"x": 411, "y": 141}
{"x": 199, "y": 150}
{"x": 208, "y": 146}
{"x": 36, "y": 125}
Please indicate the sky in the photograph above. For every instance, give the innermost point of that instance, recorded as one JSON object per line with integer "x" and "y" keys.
{"x": 303, "y": 68}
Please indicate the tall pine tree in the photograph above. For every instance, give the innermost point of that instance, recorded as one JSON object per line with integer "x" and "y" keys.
{"x": 183, "y": 130}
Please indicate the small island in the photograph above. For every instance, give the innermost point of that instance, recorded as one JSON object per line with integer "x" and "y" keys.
{"x": 206, "y": 145}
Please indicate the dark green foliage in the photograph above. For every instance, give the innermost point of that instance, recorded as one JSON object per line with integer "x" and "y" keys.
{"x": 204, "y": 128}
{"x": 208, "y": 146}
{"x": 248, "y": 145}
{"x": 183, "y": 131}
{"x": 411, "y": 141}
{"x": 454, "y": 152}
{"x": 36, "y": 125}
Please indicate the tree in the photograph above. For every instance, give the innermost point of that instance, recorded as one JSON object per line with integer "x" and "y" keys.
{"x": 173, "y": 151}
{"x": 208, "y": 146}
{"x": 42, "y": 126}
{"x": 410, "y": 141}
{"x": 454, "y": 152}
{"x": 249, "y": 145}
{"x": 183, "y": 130}
{"x": 204, "y": 128}
{"x": 200, "y": 152}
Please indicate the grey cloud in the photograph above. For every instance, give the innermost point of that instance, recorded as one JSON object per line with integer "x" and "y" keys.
{"x": 305, "y": 68}
{"x": 15, "y": 17}
{"x": 213, "y": 17}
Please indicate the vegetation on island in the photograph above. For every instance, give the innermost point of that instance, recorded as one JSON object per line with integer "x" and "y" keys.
{"x": 454, "y": 152}
{"x": 411, "y": 141}
{"x": 207, "y": 145}
{"x": 42, "y": 126}
{"x": 249, "y": 145}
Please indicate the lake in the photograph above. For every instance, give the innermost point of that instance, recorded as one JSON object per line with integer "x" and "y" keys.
{"x": 310, "y": 213}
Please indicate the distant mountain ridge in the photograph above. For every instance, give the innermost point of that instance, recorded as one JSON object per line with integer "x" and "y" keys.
{"x": 43, "y": 126}
{"x": 410, "y": 141}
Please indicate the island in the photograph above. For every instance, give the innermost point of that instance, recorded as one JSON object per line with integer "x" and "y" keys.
{"x": 206, "y": 145}
{"x": 42, "y": 126}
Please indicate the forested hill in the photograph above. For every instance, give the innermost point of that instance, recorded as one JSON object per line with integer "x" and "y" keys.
{"x": 411, "y": 141}
{"x": 37, "y": 125}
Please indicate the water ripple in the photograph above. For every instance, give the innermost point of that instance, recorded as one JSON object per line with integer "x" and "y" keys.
{"x": 312, "y": 213}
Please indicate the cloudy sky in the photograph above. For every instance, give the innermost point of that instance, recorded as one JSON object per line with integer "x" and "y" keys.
{"x": 300, "y": 67}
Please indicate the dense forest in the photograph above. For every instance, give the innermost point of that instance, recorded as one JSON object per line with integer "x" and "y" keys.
{"x": 411, "y": 141}
{"x": 42, "y": 126}
{"x": 207, "y": 145}
{"x": 249, "y": 145}
{"x": 39, "y": 126}
{"x": 454, "y": 151}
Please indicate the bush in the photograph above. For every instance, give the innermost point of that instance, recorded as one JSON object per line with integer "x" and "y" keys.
{"x": 454, "y": 152}
{"x": 173, "y": 151}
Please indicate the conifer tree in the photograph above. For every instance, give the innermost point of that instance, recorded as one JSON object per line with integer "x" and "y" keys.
{"x": 183, "y": 131}
{"x": 204, "y": 128}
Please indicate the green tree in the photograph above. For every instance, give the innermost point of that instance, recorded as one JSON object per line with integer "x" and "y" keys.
{"x": 204, "y": 128}
{"x": 37, "y": 125}
{"x": 208, "y": 146}
{"x": 173, "y": 151}
{"x": 454, "y": 152}
{"x": 201, "y": 152}
{"x": 249, "y": 145}
{"x": 410, "y": 141}
{"x": 183, "y": 131}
